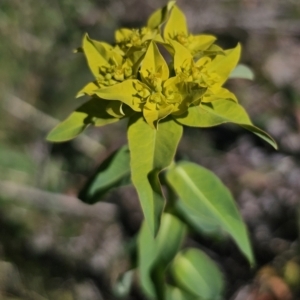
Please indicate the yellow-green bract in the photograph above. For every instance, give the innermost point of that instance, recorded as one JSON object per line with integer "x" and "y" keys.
{"x": 162, "y": 77}
{"x": 133, "y": 77}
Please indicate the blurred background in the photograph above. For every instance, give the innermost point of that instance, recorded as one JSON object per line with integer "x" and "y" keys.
{"x": 52, "y": 246}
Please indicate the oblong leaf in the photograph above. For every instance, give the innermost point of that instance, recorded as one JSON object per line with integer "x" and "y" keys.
{"x": 151, "y": 151}
{"x": 113, "y": 172}
{"x": 204, "y": 193}
{"x": 219, "y": 112}
{"x": 196, "y": 273}
{"x": 242, "y": 71}
{"x": 204, "y": 224}
{"x": 262, "y": 134}
{"x": 158, "y": 252}
{"x": 90, "y": 113}
{"x": 175, "y": 293}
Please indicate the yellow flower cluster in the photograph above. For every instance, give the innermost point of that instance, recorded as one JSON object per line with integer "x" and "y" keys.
{"x": 134, "y": 71}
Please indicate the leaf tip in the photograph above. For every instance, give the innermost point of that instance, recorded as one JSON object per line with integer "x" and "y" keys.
{"x": 79, "y": 94}
{"x": 51, "y": 136}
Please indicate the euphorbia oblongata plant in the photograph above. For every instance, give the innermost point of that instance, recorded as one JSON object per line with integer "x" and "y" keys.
{"x": 161, "y": 78}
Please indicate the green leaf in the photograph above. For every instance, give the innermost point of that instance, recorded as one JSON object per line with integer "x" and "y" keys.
{"x": 175, "y": 293}
{"x": 113, "y": 172}
{"x": 160, "y": 16}
{"x": 123, "y": 285}
{"x": 219, "y": 112}
{"x": 151, "y": 151}
{"x": 176, "y": 24}
{"x": 204, "y": 193}
{"x": 203, "y": 225}
{"x": 242, "y": 71}
{"x": 196, "y": 273}
{"x": 93, "y": 54}
{"x": 125, "y": 91}
{"x": 153, "y": 63}
{"x": 214, "y": 113}
{"x": 156, "y": 253}
{"x": 90, "y": 113}
{"x": 262, "y": 134}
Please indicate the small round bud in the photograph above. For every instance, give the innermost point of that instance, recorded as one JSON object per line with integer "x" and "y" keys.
{"x": 108, "y": 76}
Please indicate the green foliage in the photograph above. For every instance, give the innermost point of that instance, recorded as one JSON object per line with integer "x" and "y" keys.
{"x": 218, "y": 112}
{"x": 93, "y": 112}
{"x": 196, "y": 273}
{"x": 151, "y": 151}
{"x": 242, "y": 71}
{"x": 203, "y": 193}
{"x": 134, "y": 80}
{"x": 113, "y": 172}
{"x": 155, "y": 254}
